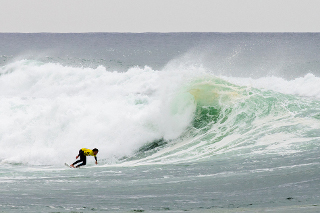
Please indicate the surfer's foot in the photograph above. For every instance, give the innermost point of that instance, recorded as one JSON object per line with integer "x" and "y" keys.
{"x": 72, "y": 165}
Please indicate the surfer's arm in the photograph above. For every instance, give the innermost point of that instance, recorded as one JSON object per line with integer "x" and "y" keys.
{"x": 95, "y": 157}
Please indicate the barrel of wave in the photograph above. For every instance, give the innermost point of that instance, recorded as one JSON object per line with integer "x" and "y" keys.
{"x": 211, "y": 97}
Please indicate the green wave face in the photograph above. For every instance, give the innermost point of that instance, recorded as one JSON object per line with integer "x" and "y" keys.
{"x": 234, "y": 120}
{"x": 210, "y": 97}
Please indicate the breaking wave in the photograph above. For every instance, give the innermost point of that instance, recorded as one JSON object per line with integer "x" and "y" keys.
{"x": 49, "y": 111}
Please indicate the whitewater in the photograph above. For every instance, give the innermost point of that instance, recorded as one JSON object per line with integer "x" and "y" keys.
{"x": 199, "y": 122}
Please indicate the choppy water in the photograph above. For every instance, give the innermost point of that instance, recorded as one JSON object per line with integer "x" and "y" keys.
{"x": 183, "y": 121}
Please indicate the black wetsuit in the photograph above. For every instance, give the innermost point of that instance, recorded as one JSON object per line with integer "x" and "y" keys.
{"x": 83, "y": 159}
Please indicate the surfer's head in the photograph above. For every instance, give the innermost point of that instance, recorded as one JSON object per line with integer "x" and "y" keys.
{"x": 95, "y": 151}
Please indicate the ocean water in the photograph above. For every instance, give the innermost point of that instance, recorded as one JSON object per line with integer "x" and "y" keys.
{"x": 184, "y": 122}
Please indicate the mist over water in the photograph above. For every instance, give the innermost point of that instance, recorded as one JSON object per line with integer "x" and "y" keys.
{"x": 196, "y": 109}
{"x": 286, "y": 55}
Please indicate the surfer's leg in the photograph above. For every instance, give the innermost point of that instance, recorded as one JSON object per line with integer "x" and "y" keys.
{"x": 81, "y": 154}
{"x": 83, "y": 158}
{"x": 78, "y": 161}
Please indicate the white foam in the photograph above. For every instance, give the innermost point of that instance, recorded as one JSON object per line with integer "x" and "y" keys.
{"x": 49, "y": 111}
{"x": 307, "y": 86}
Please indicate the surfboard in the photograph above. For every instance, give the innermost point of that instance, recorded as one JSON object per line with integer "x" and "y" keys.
{"x": 68, "y": 165}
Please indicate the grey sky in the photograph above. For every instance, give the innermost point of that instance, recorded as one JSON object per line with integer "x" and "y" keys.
{"x": 159, "y": 15}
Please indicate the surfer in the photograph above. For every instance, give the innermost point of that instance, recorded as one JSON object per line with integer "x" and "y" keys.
{"x": 83, "y": 153}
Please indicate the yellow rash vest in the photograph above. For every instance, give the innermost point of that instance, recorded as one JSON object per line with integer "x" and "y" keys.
{"x": 88, "y": 152}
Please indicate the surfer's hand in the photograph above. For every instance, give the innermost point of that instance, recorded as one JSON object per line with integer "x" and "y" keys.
{"x": 96, "y": 162}
{"x": 77, "y": 156}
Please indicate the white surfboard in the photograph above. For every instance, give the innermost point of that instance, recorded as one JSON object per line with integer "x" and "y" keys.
{"x": 68, "y": 165}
